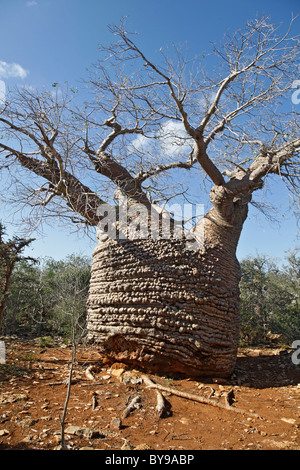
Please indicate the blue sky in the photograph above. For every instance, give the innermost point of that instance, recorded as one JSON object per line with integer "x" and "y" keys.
{"x": 46, "y": 41}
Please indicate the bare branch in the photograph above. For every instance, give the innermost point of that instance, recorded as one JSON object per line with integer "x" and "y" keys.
{"x": 147, "y": 119}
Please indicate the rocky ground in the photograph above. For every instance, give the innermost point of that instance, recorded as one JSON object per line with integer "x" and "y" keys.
{"x": 265, "y": 386}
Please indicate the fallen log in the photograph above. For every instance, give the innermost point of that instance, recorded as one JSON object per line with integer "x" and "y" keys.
{"x": 206, "y": 401}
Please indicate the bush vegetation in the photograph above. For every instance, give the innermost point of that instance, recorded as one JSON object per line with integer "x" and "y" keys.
{"x": 46, "y": 297}
{"x": 270, "y": 300}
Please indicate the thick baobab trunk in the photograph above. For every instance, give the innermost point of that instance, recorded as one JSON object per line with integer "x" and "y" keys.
{"x": 168, "y": 309}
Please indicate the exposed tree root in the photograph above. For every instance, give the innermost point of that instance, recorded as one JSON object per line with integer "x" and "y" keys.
{"x": 89, "y": 374}
{"x": 206, "y": 401}
{"x": 162, "y": 408}
{"x": 133, "y": 404}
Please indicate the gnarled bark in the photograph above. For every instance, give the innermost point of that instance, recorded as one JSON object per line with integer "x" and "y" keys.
{"x": 166, "y": 308}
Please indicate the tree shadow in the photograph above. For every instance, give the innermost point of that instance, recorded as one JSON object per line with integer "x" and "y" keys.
{"x": 266, "y": 368}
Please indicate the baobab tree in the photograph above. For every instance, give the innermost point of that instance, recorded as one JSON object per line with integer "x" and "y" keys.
{"x": 145, "y": 132}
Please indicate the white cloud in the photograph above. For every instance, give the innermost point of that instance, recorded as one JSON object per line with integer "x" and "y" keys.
{"x": 172, "y": 140}
{"x": 141, "y": 143}
{"x": 31, "y": 4}
{"x": 12, "y": 70}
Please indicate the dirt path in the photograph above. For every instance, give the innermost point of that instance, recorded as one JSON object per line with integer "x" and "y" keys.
{"x": 32, "y": 396}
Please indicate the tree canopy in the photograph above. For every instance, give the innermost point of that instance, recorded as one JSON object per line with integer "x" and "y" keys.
{"x": 225, "y": 118}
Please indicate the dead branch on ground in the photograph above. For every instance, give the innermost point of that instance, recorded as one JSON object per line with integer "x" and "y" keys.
{"x": 89, "y": 374}
{"x": 133, "y": 404}
{"x": 206, "y": 401}
{"x": 161, "y": 406}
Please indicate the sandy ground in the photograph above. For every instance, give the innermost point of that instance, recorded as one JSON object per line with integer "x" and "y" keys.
{"x": 265, "y": 384}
